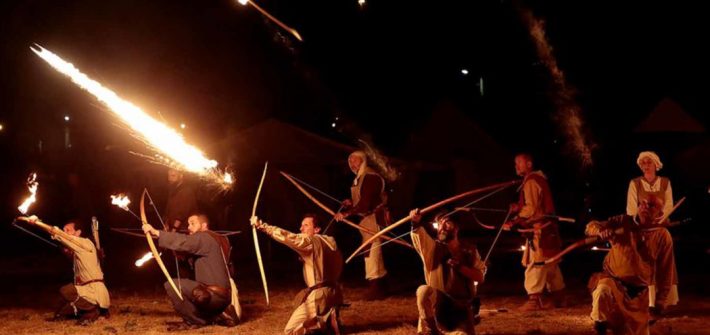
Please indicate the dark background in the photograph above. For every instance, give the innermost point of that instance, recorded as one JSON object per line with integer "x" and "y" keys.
{"x": 380, "y": 73}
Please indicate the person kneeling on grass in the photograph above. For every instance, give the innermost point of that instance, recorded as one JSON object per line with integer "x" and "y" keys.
{"x": 446, "y": 303}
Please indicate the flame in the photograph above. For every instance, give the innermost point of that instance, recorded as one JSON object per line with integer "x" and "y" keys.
{"x": 32, "y": 186}
{"x": 156, "y": 134}
{"x": 243, "y": 2}
{"x": 148, "y": 256}
{"x": 228, "y": 179}
{"x": 120, "y": 200}
{"x": 522, "y": 247}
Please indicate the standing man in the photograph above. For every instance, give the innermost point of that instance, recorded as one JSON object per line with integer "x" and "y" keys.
{"x": 87, "y": 298}
{"x": 620, "y": 293}
{"x": 322, "y": 266}
{"x": 451, "y": 272}
{"x": 663, "y": 290}
{"x": 369, "y": 202}
{"x": 534, "y": 205}
{"x": 207, "y": 298}
{"x": 182, "y": 202}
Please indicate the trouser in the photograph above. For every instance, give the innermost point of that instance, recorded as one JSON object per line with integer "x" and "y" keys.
{"x": 539, "y": 277}
{"x": 72, "y": 305}
{"x": 623, "y": 314}
{"x": 312, "y": 314}
{"x": 190, "y": 312}
{"x": 374, "y": 262}
{"x": 433, "y": 304}
{"x": 664, "y": 279}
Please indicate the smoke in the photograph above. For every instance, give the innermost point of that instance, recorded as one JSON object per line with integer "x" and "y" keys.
{"x": 568, "y": 113}
{"x": 380, "y": 162}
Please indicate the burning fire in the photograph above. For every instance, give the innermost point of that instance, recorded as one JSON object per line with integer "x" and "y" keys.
{"x": 228, "y": 179}
{"x": 120, "y": 200}
{"x": 523, "y": 247}
{"x": 148, "y": 256}
{"x": 32, "y": 186}
{"x": 156, "y": 134}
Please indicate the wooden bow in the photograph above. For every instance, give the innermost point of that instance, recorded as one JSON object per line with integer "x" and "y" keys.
{"x": 429, "y": 209}
{"x": 331, "y": 212}
{"x": 153, "y": 250}
{"x": 256, "y": 238}
{"x": 594, "y": 239}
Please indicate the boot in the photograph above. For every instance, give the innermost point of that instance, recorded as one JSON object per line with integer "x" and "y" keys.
{"x": 533, "y": 304}
{"x": 376, "y": 289}
{"x": 600, "y": 327}
{"x": 88, "y": 316}
{"x": 428, "y": 327}
{"x": 558, "y": 299}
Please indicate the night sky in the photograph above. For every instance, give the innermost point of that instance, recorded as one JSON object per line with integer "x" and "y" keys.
{"x": 383, "y": 70}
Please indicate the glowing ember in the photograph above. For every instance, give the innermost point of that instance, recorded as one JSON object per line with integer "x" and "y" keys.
{"x": 120, "y": 200}
{"x": 522, "y": 248}
{"x": 148, "y": 256}
{"x": 156, "y": 134}
{"x": 32, "y": 186}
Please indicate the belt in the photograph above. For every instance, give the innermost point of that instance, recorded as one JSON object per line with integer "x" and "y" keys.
{"x": 310, "y": 289}
{"x": 219, "y": 290}
{"x": 78, "y": 282}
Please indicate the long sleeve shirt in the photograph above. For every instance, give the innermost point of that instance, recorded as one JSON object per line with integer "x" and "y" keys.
{"x": 87, "y": 269}
{"x": 322, "y": 260}
{"x": 438, "y": 273}
{"x": 629, "y": 259}
{"x": 210, "y": 266}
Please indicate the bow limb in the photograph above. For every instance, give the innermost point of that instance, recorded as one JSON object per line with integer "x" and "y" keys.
{"x": 331, "y": 212}
{"x": 429, "y": 209}
{"x": 256, "y": 238}
{"x": 153, "y": 250}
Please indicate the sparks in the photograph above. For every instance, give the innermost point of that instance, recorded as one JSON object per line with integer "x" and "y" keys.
{"x": 32, "y": 186}
{"x": 120, "y": 200}
{"x": 272, "y": 18}
{"x": 159, "y": 136}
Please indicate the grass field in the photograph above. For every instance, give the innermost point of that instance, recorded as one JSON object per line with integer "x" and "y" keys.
{"x": 148, "y": 314}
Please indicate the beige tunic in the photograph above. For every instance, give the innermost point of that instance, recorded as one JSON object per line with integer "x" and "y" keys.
{"x": 322, "y": 266}
{"x": 620, "y": 294}
{"x": 87, "y": 268}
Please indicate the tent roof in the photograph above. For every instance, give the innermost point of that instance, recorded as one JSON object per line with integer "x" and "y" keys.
{"x": 669, "y": 116}
{"x": 284, "y": 143}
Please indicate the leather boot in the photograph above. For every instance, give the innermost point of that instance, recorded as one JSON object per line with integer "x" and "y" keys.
{"x": 600, "y": 327}
{"x": 534, "y": 303}
{"x": 376, "y": 289}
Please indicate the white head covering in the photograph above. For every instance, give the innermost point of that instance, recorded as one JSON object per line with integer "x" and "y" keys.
{"x": 652, "y": 155}
{"x": 363, "y": 166}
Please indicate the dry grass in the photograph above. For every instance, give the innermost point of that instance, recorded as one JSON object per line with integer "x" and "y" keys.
{"x": 147, "y": 315}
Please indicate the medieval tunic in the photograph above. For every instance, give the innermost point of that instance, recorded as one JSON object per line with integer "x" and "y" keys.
{"x": 369, "y": 200}
{"x": 664, "y": 285}
{"x": 88, "y": 277}
{"x": 619, "y": 293}
{"x": 536, "y": 202}
{"x": 322, "y": 266}
{"x": 448, "y": 294}
{"x": 210, "y": 270}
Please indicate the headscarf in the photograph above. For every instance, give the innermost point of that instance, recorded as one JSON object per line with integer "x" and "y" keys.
{"x": 652, "y": 155}
{"x": 363, "y": 166}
